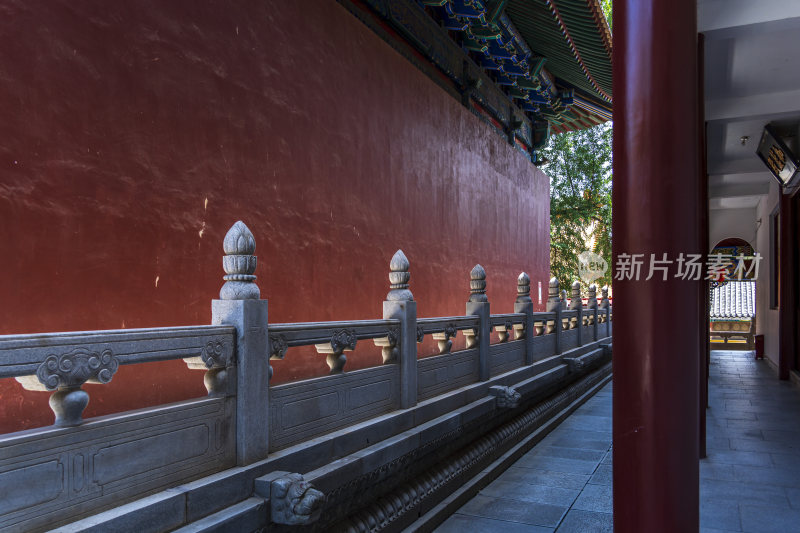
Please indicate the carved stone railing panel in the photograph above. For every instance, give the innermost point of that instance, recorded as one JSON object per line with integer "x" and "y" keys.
{"x": 60, "y": 475}
{"x": 544, "y": 346}
{"x": 506, "y": 356}
{"x": 306, "y": 409}
{"x": 442, "y": 373}
{"x": 569, "y": 340}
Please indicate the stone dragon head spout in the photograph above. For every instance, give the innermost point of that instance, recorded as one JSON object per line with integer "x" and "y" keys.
{"x": 294, "y": 501}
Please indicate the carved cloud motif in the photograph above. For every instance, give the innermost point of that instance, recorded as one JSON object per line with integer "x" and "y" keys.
{"x": 343, "y": 339}
{"x": 73, "y": 369}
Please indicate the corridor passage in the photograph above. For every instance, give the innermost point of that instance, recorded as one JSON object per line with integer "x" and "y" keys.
{"x": 563, "y": 482}
{"x": 750, "y": 481}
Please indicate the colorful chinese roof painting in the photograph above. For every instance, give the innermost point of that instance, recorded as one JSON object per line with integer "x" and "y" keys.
{"x": 574, "y": 37}
{"x": 529, "y": 67}
{"x": 735, "y": 299}
{"x": 734, "y": 251}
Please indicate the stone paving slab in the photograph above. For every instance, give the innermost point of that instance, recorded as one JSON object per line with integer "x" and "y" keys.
{"x": 750, "y": 482}
{"x": 563, "y": 484}
{"x": 750, "y": 487}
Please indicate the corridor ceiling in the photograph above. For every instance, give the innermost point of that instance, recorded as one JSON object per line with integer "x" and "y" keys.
{"x": 752, "y": 78}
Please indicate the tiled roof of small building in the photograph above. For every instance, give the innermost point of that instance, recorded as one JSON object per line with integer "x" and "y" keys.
{"x": 735, "y": 299}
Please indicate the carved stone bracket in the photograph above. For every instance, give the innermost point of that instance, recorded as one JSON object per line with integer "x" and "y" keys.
{"x": 520, "y": 330}
{"x": 507, "y": 397}
{"x": 65, "y": 374}
{"x": 472, "y": 337}
{"x": 74, "y": 368}
{"x": 389, "y": 346}
{"x": 504, "y": 330}
{"x": 443, "y": 338}
{"x": 277, "y": 346}
{"x": 342, "y": 340}
{"x": 214, "y": 358}
{"x": 294, "y": 501}
{"x": 214, "y": 355}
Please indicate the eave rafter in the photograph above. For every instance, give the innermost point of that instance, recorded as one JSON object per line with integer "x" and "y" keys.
{"x": 554, "y": 10}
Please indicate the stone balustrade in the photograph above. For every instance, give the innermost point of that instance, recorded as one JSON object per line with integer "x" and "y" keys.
{"x": 88, "y": 465}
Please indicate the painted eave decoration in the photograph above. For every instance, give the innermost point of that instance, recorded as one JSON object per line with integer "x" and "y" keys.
{"x": 528, "y": 67}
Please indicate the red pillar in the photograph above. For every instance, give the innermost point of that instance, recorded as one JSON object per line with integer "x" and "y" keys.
{"x": 787, "y": 297}
{"x": 657, "y": 332}
{"x": 704, "y": 287}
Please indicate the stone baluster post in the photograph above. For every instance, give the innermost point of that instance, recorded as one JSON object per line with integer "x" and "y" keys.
{"x": 240, "y": 306}
{"x": 478, "y": 305}
{"x": 604, "y": 302}
{"x": 555, "y": 305}
{"x": 524, "y": 304}
{"x": 400, "y": 305}
{"x": 604, "y": 305}
{"x": 592, "y": 308}
{"x": 576, "y": 303}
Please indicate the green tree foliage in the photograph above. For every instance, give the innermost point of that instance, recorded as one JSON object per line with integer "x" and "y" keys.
{"x": 580, "y": 200}
{"x": 606, "y": 5}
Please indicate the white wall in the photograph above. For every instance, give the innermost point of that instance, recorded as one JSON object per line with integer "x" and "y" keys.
{"x": 766, "y": 318}
{"x": 730, "y": 223}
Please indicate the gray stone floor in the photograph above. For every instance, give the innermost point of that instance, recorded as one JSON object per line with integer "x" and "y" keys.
{"x": 750, "y": 481}
{"x": 563, "y": 484}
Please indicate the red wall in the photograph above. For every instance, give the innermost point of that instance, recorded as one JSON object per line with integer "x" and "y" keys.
{"x": 133, "y": 134}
